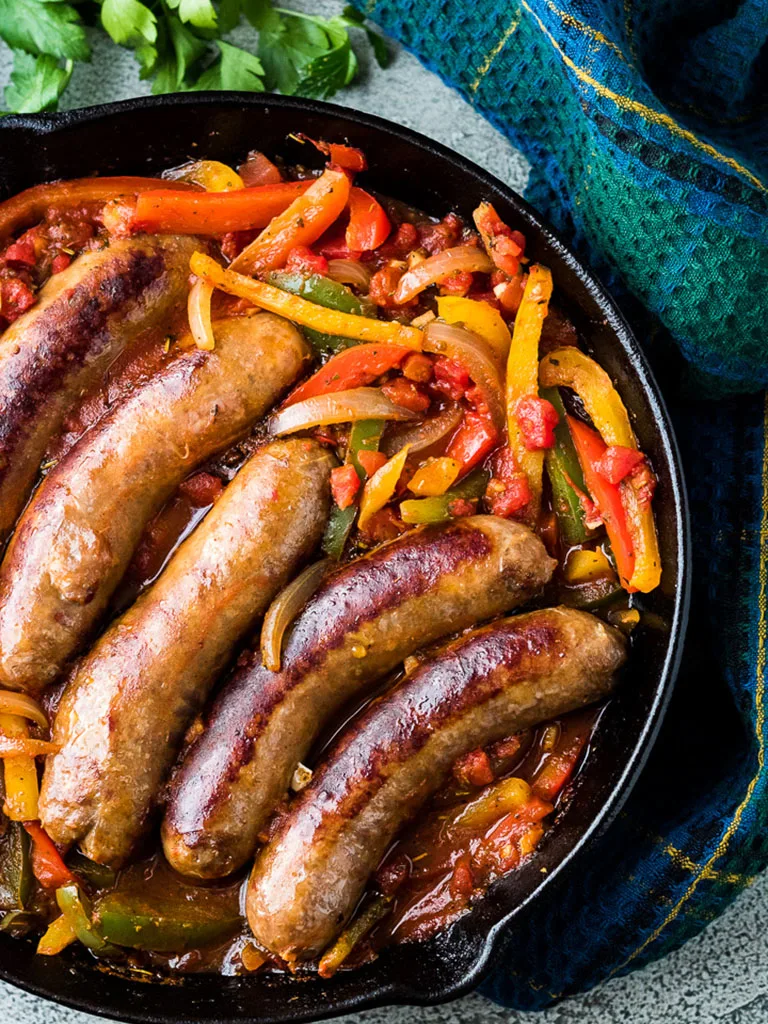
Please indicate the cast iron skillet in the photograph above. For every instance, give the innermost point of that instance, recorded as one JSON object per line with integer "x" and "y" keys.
{"x": 146, "y": 135}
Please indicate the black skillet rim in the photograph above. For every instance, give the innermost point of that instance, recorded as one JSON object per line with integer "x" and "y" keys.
{"x": 395, "y": 993}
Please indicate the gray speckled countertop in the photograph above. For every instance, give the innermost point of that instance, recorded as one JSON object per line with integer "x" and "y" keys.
{"x": 722, "y": 975}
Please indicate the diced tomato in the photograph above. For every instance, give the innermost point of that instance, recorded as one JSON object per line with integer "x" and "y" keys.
{"x": 47, "y": 864}
{"x": 233, "y": 243}
{"x": 437, "y": 237}
{"x": 201, "y": 489}
{"x": 60, "y": 262}
{"x": 392, "y": 874}
{"x": 460, "y": 507}
{"x": 302, "y": 259}
{"x": 507, "y": 749}
{"x": 333, "y": 244}
{"x": 417, "y": 367}
{"x": 345, "y": 483}
{"x": 644, "y": 483}
{"x": 384, "y": 525}
{"x": 405, "y": 238}
{"x": 15, "y": 298}
{"x": 473, "y": 769}
{"x": 509, "y": 295}
{"x": 258, "y": 169}
{"x": 458, "y": 283}
{"x": 617, "y": 462}
{"x": 382, "y": 287}
{"x": 451, "y": 378}
{"x": 475, "y": 438}
{"x": 371, "y": 461}
{"x": 406, "y": 393}
{"x": 368, "y": 223}
{"x": 537, "y": 419}
{"x": 462, "y": 883}
{"x": 21, "y": 251}
{"x": 508, "y": 490}
{"x": 504, "y": 245}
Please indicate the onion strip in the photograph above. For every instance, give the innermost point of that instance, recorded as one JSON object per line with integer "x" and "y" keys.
{"x": 12, "y": 703}
{"x": 440, "y": 266}
{"x": 423, "y": 435}
{"x": 338, "y": 407}
{"x": 199, "y": 314}
{"x": 350, "y": 272}
{"x": 284, "y": 609}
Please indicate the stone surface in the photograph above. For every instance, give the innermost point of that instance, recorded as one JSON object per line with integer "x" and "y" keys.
{"x": 722, "y": 975}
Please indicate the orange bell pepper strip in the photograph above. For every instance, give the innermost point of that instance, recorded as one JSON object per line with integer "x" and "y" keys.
{"x": 57, "y": 937}
{"x": 368, "y": 223}
{"x": 303, "y": 312}
{"x": 590, "y": 449}
{"x": 47, "y": 864}
{"x": 351, "y": 368}
{"x": 308, "y": 216}
{"x": 30, "y": 206}
{"x": 214, "y": 213}
{"x": 20, "y": 772}
{"x": 569, "y": 367}
{"x": 434, "y": 477}
{"x": 523, "y": 376}
{"x": 381, "y": 486}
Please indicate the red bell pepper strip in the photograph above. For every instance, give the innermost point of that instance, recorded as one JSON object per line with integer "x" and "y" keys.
{"x": 31, "y": 205}
{"x": 305, "y": 220}
{"x": 368, "y": 223}
{"x": 349, "y": 157}
{"x": 214, "y": 213}
{"x": 351, "y": 368}
{"x": 590, "y": 448}
{"x": 475, "y": 438}
{"x": 47, "y": 865}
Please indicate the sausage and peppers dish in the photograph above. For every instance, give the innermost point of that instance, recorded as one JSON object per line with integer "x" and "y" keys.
{"x": 324, "y": 539}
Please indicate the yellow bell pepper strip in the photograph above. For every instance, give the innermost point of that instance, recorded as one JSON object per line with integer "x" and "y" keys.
{"x": 523, "y": 376}
{"x": 583, "y": 566}
{"x": 57, "y": 937}
{"x": 308, "y": 217}
{"x": 21, "y": 786}
{"x": 352, "y": 368}
{"x": 300, "y": 311}
{"x": 331, "y": 961}
{"x": 380, "y": 488}
{"x": 569, "y": 367}
{"x": 438, "y": 509}
{"x": 479, "y": 317}
{"x": 434, "y": 477}
{"x": 212, "y": 175}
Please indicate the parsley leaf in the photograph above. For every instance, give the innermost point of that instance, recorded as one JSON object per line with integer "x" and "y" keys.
{"x": 335, "y": 68}
{"x": 236, "y": 69}
{"x": 380, "y": 51}
{"x": 36, "y": 82}
{"x": 199, "y": 13}
{"x": 128, "y": 22}
{"x": 287, "y": 46}
{"x": 178, "y": 50}
{"x": 39, "y": 28}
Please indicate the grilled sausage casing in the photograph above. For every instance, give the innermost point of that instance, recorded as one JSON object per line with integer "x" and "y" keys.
{"x": 130, "y": 699}
{"x": 498, "y": 680}
{"x": 76, "y": 537}
{"x": 359, "y": 625}
{"x": 84, "y": 318}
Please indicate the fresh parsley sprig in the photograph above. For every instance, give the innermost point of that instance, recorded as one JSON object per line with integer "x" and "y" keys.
{"x": 178, "y": 45}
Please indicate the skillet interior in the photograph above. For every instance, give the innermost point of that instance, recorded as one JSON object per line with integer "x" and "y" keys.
{"x": 145, "y": 135}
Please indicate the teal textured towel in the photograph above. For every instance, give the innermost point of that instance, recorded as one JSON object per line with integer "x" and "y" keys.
{"x": 646, "y": 124}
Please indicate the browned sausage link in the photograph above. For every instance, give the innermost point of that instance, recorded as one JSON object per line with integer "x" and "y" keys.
{"x": 124, "y": 712}
{"x": 360, "y": 624}
{"x": 498, "y": 680}
{"x": 76, "y": 537}
{"x": 85, "y": 317}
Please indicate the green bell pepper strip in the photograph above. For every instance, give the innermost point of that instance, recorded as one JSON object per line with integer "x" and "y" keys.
{"x": 76, "y": 908}
{"x": 365, "y": 436}
{"x": 128, "y": 920}
{"x": 563, "y": 465}
{"x": 437, "y": 509}
{"x": 96, "y": 876}
{"x": 16, "y": 878}
{"x": 325, "y": 292}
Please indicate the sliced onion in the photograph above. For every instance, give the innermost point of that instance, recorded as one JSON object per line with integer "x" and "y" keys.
{"x": 12, "y": 703}
{"x": 340, "y": 407}
{"x": 350, "y": 272}
{"x": 199, "y": 313}
{"x": 284, "y": 609}
{"x": 440, "y": 266}
{"x": 423, "y": 435}
{"x": 477, "y": 358}
{"x": 301, "y": 778}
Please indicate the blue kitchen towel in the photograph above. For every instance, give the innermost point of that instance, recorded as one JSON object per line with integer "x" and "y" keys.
{"x": 646, "y": 125}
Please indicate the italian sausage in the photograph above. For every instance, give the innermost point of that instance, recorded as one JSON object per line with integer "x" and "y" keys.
{"x": 130, "y": 699}
{"x": 495, "y": 681}
{"x": 84, "y": 318}
{"x": 360, "y": 624}
{"x": 76, "y": 537}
